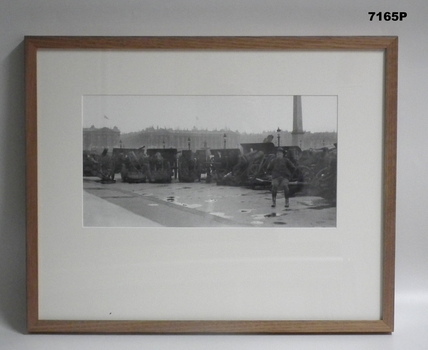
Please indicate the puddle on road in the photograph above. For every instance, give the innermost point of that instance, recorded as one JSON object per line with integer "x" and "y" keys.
{"x": 222, "y": 215}
{"x": 210, "y": 201}
{"x": 251, "y": 194}
{"x": 275, "y": 215}
{"x": 258, "y": 219}
{"x": 318, "y": 204}
{"x": 191, "y": 206}
{"x": 144, "y": 194}
{"x": 173, "y": 199}
{"x": 256, "y": 222}
{"x": 153, "y": 205}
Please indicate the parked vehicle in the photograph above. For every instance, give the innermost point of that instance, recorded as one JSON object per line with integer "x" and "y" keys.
{"x": 100, "y": 165}
{"x": 162, "y": 164}
{"x": 188, "y": 167}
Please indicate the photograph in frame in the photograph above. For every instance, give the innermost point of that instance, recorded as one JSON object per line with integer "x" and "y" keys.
{"x": 101, "y": 259}
{"x": 210, "y": 161}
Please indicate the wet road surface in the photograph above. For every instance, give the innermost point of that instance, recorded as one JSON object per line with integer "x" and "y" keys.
{"x": 198, "y": 204}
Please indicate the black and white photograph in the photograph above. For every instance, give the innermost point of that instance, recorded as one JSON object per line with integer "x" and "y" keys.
{"x": 194, "y": 185}
{"x": 209, "y": 161}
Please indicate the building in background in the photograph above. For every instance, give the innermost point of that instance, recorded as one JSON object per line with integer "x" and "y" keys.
{"x": 95, "y": 139}
{"x": 181, "y": 139}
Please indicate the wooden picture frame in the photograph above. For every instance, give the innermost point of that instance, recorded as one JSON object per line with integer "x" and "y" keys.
{"x": 42, "y": 250}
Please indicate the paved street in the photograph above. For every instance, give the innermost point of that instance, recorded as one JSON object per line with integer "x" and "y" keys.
{"x": 197, "y": 205}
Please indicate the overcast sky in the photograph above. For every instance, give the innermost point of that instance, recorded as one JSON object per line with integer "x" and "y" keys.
{"x": 251, "y": 114}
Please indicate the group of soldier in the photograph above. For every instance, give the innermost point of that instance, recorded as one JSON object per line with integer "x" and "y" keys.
{"x": 282, "y": 167}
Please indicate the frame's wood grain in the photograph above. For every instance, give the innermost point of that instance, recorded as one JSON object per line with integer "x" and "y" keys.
{"x": 388, "y": 44}
{"x": 32, "y": 205}
{"x": 212, "y": 43}
{"x": 212, "y": 327}
{"x": 389, "y": 190}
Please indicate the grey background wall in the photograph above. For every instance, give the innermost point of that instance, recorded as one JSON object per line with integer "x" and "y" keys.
{"x": 223, "y": 17}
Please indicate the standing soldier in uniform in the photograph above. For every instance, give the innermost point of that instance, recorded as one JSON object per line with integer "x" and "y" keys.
{"x": 282, "y": 169}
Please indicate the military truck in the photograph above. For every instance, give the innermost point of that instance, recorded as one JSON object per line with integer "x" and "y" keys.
{"x": 162, "y": 164}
